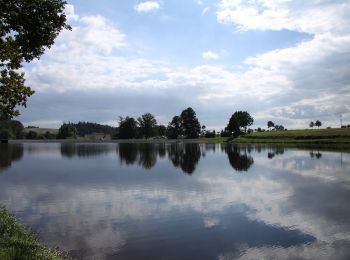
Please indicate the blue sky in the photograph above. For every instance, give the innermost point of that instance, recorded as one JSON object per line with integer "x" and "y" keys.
{"x": 280, "y": 60}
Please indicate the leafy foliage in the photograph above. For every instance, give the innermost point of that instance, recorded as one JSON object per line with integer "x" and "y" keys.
{"x": 26, "y": 29}
{"x": 14, "y": 127}
{"x": 18, "y": 242}
{"x": 67, "y": 130}
{"x": 84, "y": 128}
{"x": 186, "y": 124}
{"x": 209, "y": 134}
{"x": 32, "y": 135}
{"x": 240, "y": 119}
{"x": 160, "y": 130}
{"x": 174, "y": 129}
{"x": 270, "y": 124}
{"x": 279, "y": 128}
{"x": 190, "y": 124}
{"x": 5, "y": 134}
{"x": 127, "y": 128}
{"x": 318, "y": 123}
{"x": 147, "y": 124}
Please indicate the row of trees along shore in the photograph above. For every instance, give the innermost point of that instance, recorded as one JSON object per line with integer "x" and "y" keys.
{"x": 184, "y": 125}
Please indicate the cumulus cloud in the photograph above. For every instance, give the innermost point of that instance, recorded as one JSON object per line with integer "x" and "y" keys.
{"x": 145, "y": 7}
{"x": 326, "y": 15}
{"x": 313, "y": 79}
{"x": 70, "y": 13}
{"x": 294, "y": 85}
{"x": 209, "y": 55}
{"x": 281, "y": 193}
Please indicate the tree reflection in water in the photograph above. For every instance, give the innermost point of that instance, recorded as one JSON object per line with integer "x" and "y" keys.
{"x": 185, "y": 155}
{"x": 9, "y": 153}
{"x": 275, "y": 151}
{"x": 69, "y": 150}
{"x": 239, "y": 161}
{"x": 316, "y": 155}
{"x": 127, "y": 153}
{"x": 145, "y": 154}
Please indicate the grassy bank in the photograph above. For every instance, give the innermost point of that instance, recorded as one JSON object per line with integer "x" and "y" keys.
{"x": 335, "y": 137}
{"x": 18, "y": 242}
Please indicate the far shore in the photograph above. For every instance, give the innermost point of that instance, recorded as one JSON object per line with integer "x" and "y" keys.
{"x": 334, "y": 138}
{"x": 199, "y": 140}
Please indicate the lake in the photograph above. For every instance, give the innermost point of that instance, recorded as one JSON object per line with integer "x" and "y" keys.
{"x": 180, "y": 201}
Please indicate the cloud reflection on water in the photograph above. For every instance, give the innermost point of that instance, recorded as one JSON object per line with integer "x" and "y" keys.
{"x": 296, "y": 204}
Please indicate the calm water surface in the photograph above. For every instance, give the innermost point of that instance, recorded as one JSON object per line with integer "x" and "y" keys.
{"x": 180, "y": 201}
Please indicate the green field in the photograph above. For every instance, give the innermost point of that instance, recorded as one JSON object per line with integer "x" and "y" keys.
{"x": 316, "y": 136}
{"x": 18, "y": 242}
{"x": 302, "y": 134}
{"x": 41, "y": 131}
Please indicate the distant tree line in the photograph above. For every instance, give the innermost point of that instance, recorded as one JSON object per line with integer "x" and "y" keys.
{"x": 184, "y": 125}
{"x": 272, "y": 126}
{"x": 317, "y": 123}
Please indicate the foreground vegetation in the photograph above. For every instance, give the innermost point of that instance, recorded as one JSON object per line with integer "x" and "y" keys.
{"x": 18, "y": 242}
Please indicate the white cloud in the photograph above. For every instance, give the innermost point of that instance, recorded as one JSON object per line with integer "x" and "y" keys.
{"x": 146, "y": 6}
{"x": 304, "y": 82}
{"x": 209, "y": 55}
{"x": 205, "y": 10}
{"x": 313, "y": 81}
{"x": 274, "y": 191}
{"x": 70, "y": 13}
{"x": 199, "y": 2}
{"x": 312, "y": 16}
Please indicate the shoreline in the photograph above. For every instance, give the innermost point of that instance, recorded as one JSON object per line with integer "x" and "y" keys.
{"x": 331, "y": 143}
{"x": 18, "y": 141}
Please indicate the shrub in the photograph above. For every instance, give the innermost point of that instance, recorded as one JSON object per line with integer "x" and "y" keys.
{"x": 210, "y": 134}
{"x": 49, "y": 135}
{"x": 67, "y": 130}
{"x": 225, "y": 134}
{"x": 32, "y": 135}
{"x": 5, "y": 134}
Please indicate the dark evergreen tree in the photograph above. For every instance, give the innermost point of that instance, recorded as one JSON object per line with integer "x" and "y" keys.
{"x": 127, "y": 128}
{"x": 84, "y": 128}
{"x": 67, "y": 130}
{"x": 190, "y": 124}
{"x": 174, "y": 128}
{"x": 147, "y": 124}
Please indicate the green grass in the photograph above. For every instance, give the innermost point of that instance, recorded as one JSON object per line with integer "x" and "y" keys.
{"x": 18, "y": 242}
{"x": 217, "y": 140}
{"x": 337, "y": 137}
{"x": 302, "y": 134}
